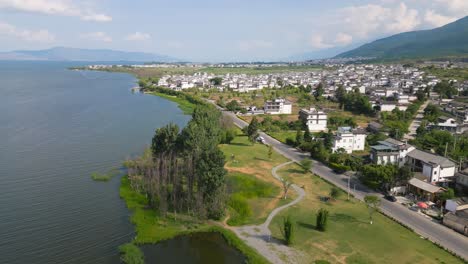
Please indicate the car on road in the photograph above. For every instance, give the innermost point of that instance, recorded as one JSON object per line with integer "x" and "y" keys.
{"x": 391, "y": 198}
{"x": 261, "y": 140}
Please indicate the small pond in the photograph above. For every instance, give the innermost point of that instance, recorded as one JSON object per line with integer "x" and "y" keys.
{"x": 196, "y": 248}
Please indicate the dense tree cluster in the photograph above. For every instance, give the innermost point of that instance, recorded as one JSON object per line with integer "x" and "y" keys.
{"x": 445, "y": 89}
{"x": 441, "y": 141}
{"x": 385, "y": 176}
{"x": 354, "y": 102}
{"x": 185, "y": 170}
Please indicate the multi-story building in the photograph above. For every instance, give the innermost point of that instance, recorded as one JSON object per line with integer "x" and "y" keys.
{"x": 349, "y": 139}
{"x": 390, "y": 151}
{"x": 278, "y": 106}
{"x": 315, "y": 120}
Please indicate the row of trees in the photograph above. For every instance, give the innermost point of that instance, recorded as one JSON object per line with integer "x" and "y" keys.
{"x": 385, "y": 176}
{"x": 185, "y": 170}
{"x": 354, "y": 102}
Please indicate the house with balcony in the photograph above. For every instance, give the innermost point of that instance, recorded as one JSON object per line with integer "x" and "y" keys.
{"x": 315, "y": 120}
{"x": 390, "y": 151}
{"x": 349, "y": 139}
{"x": 278, "y": 106}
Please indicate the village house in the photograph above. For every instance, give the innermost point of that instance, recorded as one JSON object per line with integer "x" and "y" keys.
{"x": 278, "y": 106}
{"x": 315, "y": 120}
{"x": 390, "y": 151}
{"x": 435, "y": 168}
{"x": 349, "y": 139}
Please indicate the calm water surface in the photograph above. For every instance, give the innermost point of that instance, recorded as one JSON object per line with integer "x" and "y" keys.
{"x": 56, "y": 128}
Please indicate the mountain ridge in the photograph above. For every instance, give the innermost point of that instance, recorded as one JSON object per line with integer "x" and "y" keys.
{"x": 447, "y": 40}
{"x": 78, "y": 54}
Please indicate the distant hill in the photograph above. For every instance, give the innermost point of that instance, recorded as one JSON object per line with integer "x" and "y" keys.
{"x": 445, "y": 41}
{"x": 74, "y": 54}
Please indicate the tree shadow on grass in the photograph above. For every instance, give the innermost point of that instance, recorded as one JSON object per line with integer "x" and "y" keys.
{"x": 262, "y": 159}
{"x": 345, "y": 218}
{"x": 295, "y": 171}
{"x": 240, "y": 144}
{"x": 306, "y": 225}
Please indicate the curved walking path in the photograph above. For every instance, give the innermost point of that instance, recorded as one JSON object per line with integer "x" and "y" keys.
{"x": 259, "y": 236}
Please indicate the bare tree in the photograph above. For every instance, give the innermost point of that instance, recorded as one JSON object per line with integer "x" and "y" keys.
{"x": 286, "y": 185}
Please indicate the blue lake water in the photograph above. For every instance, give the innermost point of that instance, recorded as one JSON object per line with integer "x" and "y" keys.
{"x": 56, "y": 128}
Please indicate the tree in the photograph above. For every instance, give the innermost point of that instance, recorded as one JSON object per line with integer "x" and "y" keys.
{"x": 372, "y": 203}
{"x": 286, "y": 185}
{"x": 216, "y": 81}
{"x": 445, "y": 89}
{"x": 432, "y": 113}
{"x": 340, "y": 94}
{"x": 270, "y": 151}
{"x": 288, "y": 230}
{"x": 233, "y": 106}
{"x": 307, "y": 136}
{"x": 252, "y": 129}
{"x": 306, "y": 164}
{"x": 164, "y": 139}
{"x": 335, "y": 192}
{"x": 319, "y": 91}
{"x": 321, "y": 222}
{"x": 447, "y": 195}
{"x": 227, "y": 135}
{"x": 299, "y": 138}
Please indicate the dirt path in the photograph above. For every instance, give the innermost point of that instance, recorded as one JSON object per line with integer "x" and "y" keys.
{"x": 259, "y": 236}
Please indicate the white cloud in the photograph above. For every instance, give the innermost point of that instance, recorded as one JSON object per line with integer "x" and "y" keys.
{"x": 343, "y": 39}
{"x": 54, "y": 7}
{"x": 41, "y": 35}
{"x": 317, "y": 42}
{"x": 138, "y": 36}
{"x": 97, "y": 36}
{"x": 402, "y": 19}
{"x": 455, "y": 7}
{"x": 437, "y": 20}
{"x": 247, "y": 45}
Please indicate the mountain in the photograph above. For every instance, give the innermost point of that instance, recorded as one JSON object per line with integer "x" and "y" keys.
{"x": 318, "y": 54}
{"x": 448, "y": 40}
{"x": 74, "y": 54}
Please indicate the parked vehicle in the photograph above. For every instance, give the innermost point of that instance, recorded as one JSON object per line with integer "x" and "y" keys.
{"x": 391, "y": 198}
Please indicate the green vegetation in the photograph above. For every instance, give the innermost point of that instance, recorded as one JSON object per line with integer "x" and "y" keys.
{"x": 397, "y": 122}
{"x": 131, "y": 254}
{"x": 184, "y": 105}
{"x": 354, "y": 102}
{"x": 441, "y": 142}
{"x": 322, "y": 220}
{"x": 372, "y": 203}
{"x": 448, "y": 40}
{"x": 384, "y": 176}
{"x": 104, "y": 177}
{"x": 349, "y": 237}
{"x": 245, "y": 192}
{"x": 306, "y": 164}
{"x": 252, "y": 191}
{"x": 288, "y": 230}
{"x": 445, "y": 89}
{"x": 459, "y": 74}
{"x": 151, "y": 227}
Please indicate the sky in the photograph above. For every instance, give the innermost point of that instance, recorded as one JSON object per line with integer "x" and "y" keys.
{"x": 216, "y": 30}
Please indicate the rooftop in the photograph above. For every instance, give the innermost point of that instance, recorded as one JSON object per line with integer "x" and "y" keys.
{"x": 425, "y": 186}
{"x": 431, "y": 158}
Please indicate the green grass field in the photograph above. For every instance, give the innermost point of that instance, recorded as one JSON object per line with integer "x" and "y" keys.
{"x": 350, "y": 238}
{"x": 183, "y": 104}
{"x": 283, "y": 135}
{"x": 253, "y": 190}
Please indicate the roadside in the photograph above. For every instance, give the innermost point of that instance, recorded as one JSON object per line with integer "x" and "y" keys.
{"x": 416, "y": 121}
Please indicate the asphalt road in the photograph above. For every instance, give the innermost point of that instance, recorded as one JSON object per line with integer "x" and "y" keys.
{"x": 424, "y": 226}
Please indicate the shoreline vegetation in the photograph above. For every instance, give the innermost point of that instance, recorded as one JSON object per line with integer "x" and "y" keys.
{"x": 347, "y": 217}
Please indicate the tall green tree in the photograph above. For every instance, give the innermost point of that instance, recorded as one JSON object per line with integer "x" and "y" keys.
{"x": 321, "y": 221}
{"x": 372, "y": 203}
{"x": 252, "y": 129}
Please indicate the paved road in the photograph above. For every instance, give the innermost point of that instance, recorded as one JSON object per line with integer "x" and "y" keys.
{"x": 422, "y": 225}
{"x": 416, "y": 121}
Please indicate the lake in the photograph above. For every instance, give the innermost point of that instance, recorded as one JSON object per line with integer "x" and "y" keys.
{"x": 57, "y": 127}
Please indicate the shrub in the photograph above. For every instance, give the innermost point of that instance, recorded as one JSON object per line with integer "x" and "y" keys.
{"x": 131, "y": 254}
{"x": 339, "y": 168}
{"x": 322, "y": 220}
{"x": 335, "y": 192}
{"x": 288, "y": 230}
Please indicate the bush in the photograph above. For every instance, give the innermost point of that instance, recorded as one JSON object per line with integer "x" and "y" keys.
{"x": 131, "y": 254}
{"x": 322, "y": 220}
{"x": 335, "y": 192}
{"x": 339, "y": 168}
{"x": 239, "y": 204}
{"x": 290, "y": 142}
{"x": 288, "y": 230}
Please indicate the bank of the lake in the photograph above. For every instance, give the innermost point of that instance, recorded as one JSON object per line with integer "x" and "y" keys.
{"x": 151, "y": 228}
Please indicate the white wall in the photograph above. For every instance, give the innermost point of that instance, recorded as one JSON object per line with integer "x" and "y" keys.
{"x": 451, "y": 205}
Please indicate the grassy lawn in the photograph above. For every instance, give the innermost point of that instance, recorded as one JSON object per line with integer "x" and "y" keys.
{"x": 361, "y": 120}
{"x": 250, "y": 181}
{"x": 183, "y": 104}
{"x": 350, "y": 238}
{"x": 283, "y": 135}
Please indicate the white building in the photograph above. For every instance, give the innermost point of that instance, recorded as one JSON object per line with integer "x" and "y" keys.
{"x": 315, "y": 120}
{"x": 434, "y": 167}
{"x": 349, "y": 139}
{"x": 390, "y": 151}
{"x": 278, "y": 106}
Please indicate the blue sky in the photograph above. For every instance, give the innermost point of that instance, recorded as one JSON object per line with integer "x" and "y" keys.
{"x": 216, "y": 30}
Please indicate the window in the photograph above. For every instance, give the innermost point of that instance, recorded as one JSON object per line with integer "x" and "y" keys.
{"x": 435, "y": 172}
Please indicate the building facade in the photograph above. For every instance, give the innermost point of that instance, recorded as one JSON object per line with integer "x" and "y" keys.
{"x": 315, "y": 120}
{"x": 278, "y": 106}
{"x": 349, "y": 139}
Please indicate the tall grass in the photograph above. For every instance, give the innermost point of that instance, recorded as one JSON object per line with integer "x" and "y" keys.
{"x": 131, "y": 254}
